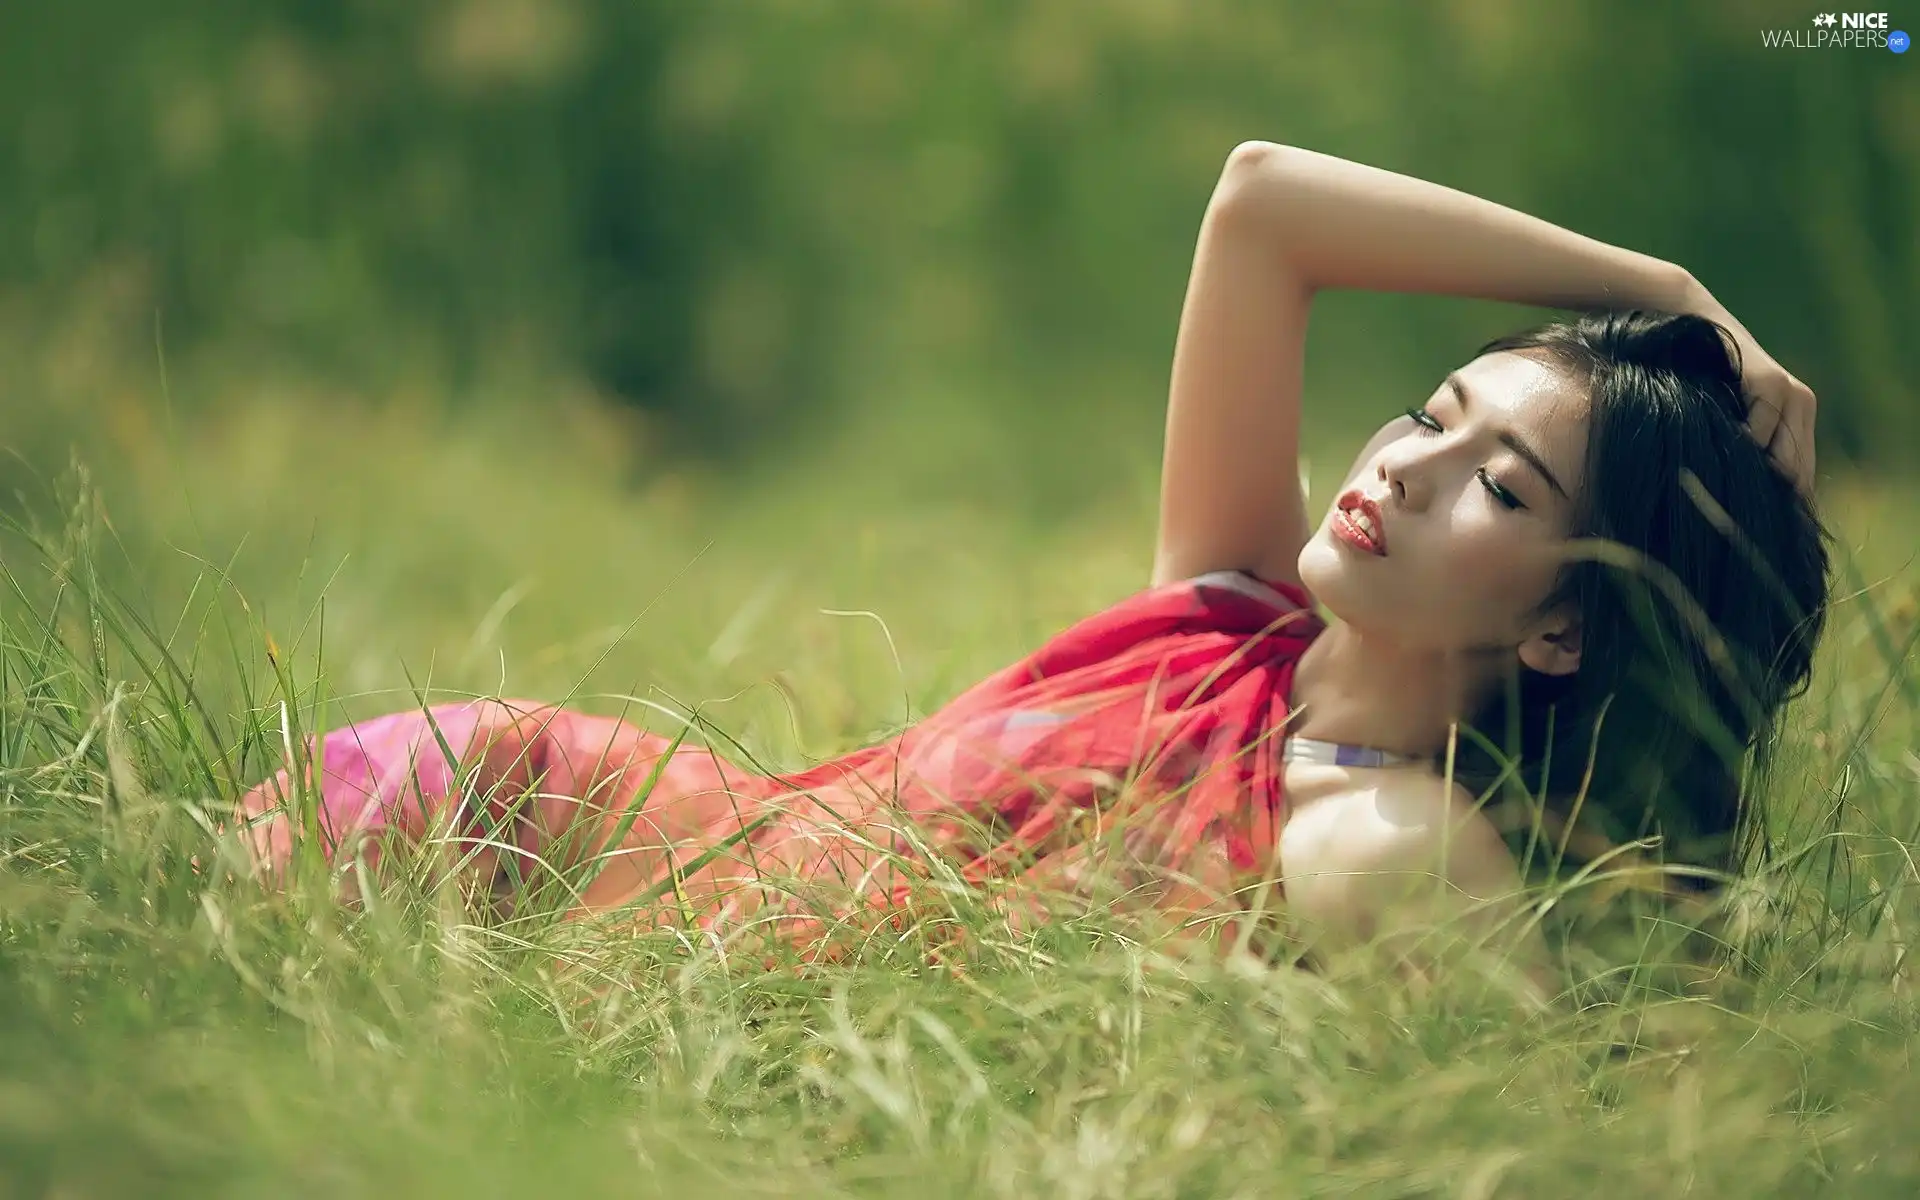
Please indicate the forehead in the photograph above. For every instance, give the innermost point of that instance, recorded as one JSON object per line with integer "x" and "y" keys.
{"x": 1535, "y": 399}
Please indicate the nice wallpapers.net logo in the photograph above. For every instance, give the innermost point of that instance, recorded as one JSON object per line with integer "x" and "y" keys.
{"x": 1840, "y": 31}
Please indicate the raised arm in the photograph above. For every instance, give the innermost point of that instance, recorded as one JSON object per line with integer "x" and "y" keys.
{"x": 1283, "y": 224}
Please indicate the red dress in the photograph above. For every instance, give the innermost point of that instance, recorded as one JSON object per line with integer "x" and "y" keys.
{"x": 1140, "y": 746}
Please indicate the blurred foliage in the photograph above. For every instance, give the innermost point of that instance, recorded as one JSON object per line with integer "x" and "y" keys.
{"x": 750, "y": 217}
{"x": 348, "y": 183}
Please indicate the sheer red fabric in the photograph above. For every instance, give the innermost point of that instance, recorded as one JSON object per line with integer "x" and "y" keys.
{"x": 1141, "y": 746}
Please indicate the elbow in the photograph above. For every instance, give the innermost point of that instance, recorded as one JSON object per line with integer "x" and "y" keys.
{"x": 1245, "y": 194}
{"x": 1252, "y": 156}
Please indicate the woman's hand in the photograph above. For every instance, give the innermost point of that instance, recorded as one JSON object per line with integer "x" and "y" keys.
{"x": 1781, "y": 408}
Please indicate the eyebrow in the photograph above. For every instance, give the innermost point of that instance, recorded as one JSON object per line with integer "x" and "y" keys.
{"x": 1510, "y": 439}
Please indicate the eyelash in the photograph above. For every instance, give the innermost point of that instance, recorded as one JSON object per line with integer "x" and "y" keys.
{"x": 1431, "y": 424}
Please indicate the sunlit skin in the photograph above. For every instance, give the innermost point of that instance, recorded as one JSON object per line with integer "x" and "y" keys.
{"x": 1475, "y": 537}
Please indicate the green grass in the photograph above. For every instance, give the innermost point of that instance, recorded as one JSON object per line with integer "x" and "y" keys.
{"x": 170, "y": 1028}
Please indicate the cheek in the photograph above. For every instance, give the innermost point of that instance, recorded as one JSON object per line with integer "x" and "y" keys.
{"x": 1489, "y": 566}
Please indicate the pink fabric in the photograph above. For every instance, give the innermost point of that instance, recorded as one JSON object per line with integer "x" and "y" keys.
{"x": 1142, "y": 743}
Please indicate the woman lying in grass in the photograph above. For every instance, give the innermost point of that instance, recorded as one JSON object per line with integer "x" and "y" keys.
{"x": 1593, "y": 543}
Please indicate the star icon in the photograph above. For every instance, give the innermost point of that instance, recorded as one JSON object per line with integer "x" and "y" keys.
{"x": 1824, "y": 19}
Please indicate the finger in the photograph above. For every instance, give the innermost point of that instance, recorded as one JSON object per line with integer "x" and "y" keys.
{"x": 1763, "y": 419}
{"x": 1802, "y": 412}
{"x": 1792, "y": 449}
{"x": 1805, "y": 446}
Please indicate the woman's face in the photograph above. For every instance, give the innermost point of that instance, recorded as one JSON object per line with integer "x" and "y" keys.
{"x": 1474, "y": 509}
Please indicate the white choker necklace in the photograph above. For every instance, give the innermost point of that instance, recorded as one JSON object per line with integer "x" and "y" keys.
{"x": 1340, "y": 754}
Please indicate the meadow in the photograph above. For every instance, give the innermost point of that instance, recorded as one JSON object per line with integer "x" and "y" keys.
{"x": 175, "y": 1028}
{"x": 801, "y": 362}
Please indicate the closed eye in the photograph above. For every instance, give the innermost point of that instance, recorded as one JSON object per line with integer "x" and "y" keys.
{"x": 1431, "y": 424}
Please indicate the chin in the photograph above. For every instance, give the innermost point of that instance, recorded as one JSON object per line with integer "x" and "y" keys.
{"x": 1322, "y": 571}
{"x": 1326, "y": 573}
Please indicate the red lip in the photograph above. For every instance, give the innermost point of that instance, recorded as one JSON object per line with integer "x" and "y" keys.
{"x": 1354, "y": 498}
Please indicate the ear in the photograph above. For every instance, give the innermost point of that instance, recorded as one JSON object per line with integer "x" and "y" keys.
{"x": 1555, "y": 648}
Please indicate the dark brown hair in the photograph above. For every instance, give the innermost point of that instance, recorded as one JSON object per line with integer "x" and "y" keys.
{"x": 1701, "y": 598}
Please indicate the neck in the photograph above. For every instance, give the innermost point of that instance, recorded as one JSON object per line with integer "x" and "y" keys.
{"x": 1364, "y": 690}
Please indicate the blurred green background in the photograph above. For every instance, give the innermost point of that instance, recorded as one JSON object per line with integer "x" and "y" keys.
{"x": 454, "y": 304}
{"x": 748, "y": 218}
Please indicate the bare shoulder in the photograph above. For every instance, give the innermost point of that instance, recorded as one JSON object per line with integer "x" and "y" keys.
{"x": 1393, "y": 839}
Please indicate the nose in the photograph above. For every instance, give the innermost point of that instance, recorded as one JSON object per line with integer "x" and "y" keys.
{"x": 1403, "y": 482}
{"x": 1393, "y": 481}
